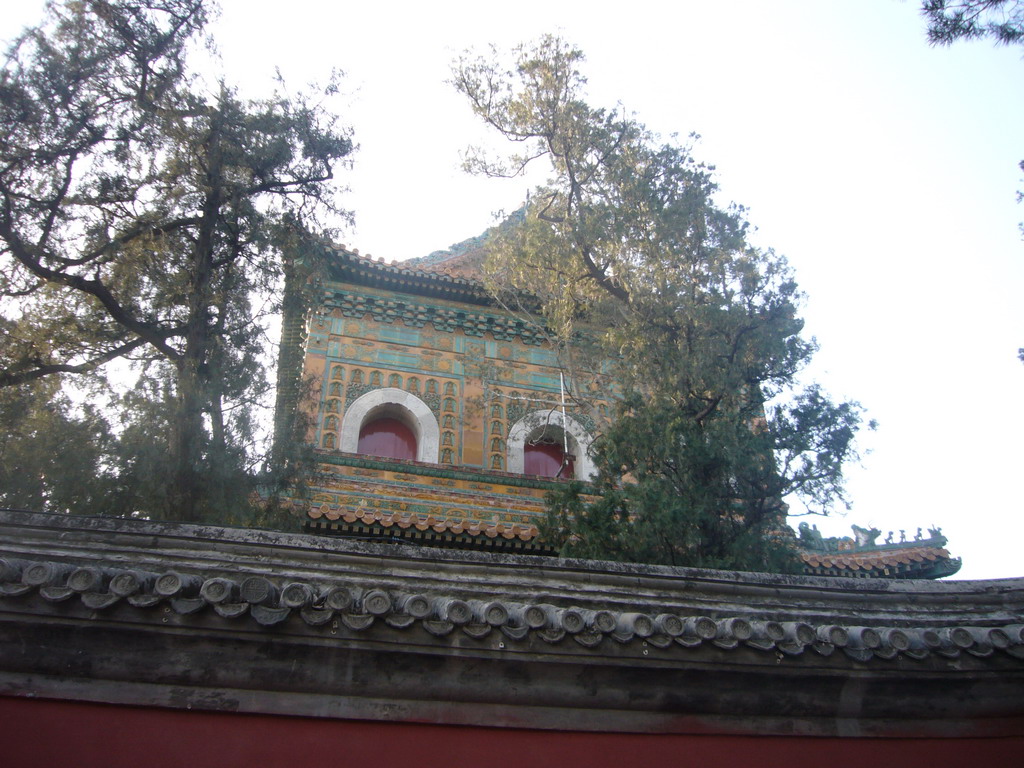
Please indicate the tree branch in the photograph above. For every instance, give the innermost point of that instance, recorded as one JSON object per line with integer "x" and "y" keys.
{"x": 9, "y": 378}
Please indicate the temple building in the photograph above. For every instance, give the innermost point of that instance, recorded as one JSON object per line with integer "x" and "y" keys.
{"x": 441, "y": 418}
{"x": 436, "y": 416}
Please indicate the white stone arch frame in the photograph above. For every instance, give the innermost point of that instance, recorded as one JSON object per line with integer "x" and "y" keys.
{"x": 579, "y": 440}
{"x": 400, "y": 404}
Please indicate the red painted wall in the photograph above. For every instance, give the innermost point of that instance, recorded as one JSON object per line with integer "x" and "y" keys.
{"x": 48, "y": 733}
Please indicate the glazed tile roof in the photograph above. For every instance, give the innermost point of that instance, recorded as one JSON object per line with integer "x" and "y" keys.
{"x": 917, "y": 558}
{"x": 921, "y": 561}
{"x": 348, "y": 265}
{"x": 406, "y": 521}
{"x": 892, "y": 558}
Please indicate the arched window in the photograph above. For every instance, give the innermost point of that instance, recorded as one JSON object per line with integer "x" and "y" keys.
{"x": 373, "y": 424}
{"x": 536, "y": 445}
{"x": 388, "y": 437}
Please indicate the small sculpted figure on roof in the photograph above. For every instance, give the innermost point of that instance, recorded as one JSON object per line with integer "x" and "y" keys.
{"x": 865, "y": 537}
{"x": 811, "y": 538}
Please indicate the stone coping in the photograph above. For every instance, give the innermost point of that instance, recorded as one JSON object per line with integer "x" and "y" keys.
{"x": 767, "y": 612}
{"x": 118, "y": 591}
{"x": 20, "y": 528}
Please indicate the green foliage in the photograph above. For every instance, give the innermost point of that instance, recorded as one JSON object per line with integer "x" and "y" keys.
{"x": 651, "y": 290}
{"x": 948, "y": 21}
{"x": 146, "y": 218}
{"x": 37, "y": 471}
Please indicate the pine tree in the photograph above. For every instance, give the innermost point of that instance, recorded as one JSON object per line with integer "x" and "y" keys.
{"x": 146, "y": 217}
{"x": 694, "y": 332}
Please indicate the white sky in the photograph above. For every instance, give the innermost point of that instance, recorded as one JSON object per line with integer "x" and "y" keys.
{"x": 884, "y": 169}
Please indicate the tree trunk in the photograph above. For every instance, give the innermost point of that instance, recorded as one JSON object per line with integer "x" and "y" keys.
{"x": 191, "y": 471}
{"x": 186, "y": 487}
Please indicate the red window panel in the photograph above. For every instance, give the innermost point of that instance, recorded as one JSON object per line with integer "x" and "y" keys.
{"x": 387, "y": 437}
{"x": 545, "y": 459}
